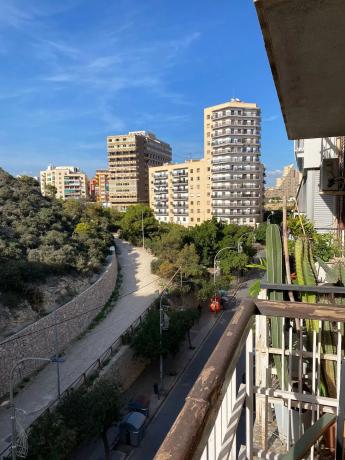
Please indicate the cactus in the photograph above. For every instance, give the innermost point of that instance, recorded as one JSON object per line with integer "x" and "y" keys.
{"x": 275, "y": 276}
{"x": 335, "y": 274}
{"x": 306, "y": 274}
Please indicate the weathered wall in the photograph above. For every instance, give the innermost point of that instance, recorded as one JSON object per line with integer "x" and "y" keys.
{"x": 72, "y": 319}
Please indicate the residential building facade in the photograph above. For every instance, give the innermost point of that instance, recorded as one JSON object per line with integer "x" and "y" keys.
{"x": 321, "y": 192}
{"x": 286, "y": 185}
{"x": 232, "y": 134}
{"x": 69, "y": 182}
{"x": 178, "y": 193}
{"x": 129, "y": 158}
{"x": 99, "y": 187}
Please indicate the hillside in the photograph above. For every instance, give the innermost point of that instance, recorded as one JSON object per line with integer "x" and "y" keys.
{"x": 44, "y": 238}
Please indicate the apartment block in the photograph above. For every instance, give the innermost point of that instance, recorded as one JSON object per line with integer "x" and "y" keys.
{"x": 69, "y": 182}
{"x": 178, "y": 192}
{"x": 99, "y": 187}
{"x": 129, "y": 158}
{"x": 232, "y": 134}
{"x": 286, "y": 185}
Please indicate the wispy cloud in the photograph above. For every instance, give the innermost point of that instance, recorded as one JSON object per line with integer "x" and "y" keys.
{"x": 270, "y": 118}
{"x": 274, "y": 173}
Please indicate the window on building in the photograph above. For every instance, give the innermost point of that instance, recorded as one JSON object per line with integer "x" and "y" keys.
{"x": 198, "y": 219}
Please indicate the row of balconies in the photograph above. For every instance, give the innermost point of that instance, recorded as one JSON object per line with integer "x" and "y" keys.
{"x": 235, "y": 177}
{"x": 234, "y": 204}
{"x": 233, "y": 141}
{"x": 233, "y": 159}
{"x": 231, "y": 114}
{"x": 225, "y": 186}
{"x": 227, "y": 167}
{"x": 235, "y": 123}
{"x": 235, "y": 195}
{"x": 238, "y": 150}
{"x": 237, "y": 132}
{"x": 183, "y": 172}
{"x": 180, "y": 180}
{"x": 236, "y": 212}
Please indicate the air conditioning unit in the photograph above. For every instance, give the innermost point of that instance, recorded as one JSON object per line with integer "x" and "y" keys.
{"x": 331, "y": 178}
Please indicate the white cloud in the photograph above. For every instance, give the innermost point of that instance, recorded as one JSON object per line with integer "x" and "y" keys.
{"x": 270, "y": 118}
{"x": 274, "y": 173}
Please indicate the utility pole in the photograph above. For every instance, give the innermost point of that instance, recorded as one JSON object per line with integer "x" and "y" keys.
{"x": 57, "y": 361}
{"x": 161, "y": 328}
{"x": 142, "y": 228}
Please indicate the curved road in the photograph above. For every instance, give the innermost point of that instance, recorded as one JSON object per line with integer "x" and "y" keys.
{"x": 139, "y": 287}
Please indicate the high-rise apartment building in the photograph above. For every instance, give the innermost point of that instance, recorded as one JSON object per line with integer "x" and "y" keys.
{"x": 68, "y": 181}
{"x": 227, "y": 183}
{"x": 129, "y": 157}
{"x": 232, "y": 133}
{"x": 99, "y": 187}
{"x": 178, "y": 192}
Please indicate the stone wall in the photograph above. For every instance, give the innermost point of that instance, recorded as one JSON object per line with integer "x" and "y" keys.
{"x": 71, "y": 319}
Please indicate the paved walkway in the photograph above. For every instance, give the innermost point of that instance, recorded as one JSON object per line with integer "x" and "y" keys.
{"x": 139, "y": 287}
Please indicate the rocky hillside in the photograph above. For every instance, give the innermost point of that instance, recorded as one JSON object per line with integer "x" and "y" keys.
{"x": 43, "y": 238}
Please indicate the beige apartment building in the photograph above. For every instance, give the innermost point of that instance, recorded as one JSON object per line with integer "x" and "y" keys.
{"x": 129, "y": 158}
{"x": 286, "y": 185}
{"x": 232, "y": 136}
{"x": 229, "y": 180}
{"x": 69, "y": 182}
{"x": 178, "y": 192}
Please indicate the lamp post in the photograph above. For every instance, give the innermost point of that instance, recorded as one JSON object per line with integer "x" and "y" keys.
{"x": 162, "y": 328}
{"x": 142, "y": 228}
{"x": 269, "y": 217}
{"x": 239, "y": 242}
{"x": 13, "y": 407}
{"x": 215, "y": 259}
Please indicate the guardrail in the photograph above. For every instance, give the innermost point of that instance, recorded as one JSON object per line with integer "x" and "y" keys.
{"x": 97, "y": 365}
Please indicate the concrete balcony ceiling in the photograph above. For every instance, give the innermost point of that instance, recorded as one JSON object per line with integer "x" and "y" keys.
{"x": 305, "y": 43}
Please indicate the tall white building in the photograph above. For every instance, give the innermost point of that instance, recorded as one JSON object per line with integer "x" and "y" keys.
{"x": 232, "y": 140}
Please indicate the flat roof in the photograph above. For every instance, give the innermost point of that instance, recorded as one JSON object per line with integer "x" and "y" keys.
{"x": 305, "y": 43}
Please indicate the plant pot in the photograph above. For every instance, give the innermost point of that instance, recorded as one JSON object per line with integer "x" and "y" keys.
{"x": 330, "y": 438}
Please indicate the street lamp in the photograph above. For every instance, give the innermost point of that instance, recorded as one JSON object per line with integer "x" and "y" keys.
{"x": 214, "y": 261}
{"x": 12, "y": 405}
{"x": 239, "y": 242}
{"x": 162, "y": 327}
{"x": 142, "y": 228}
{"x": 271, "y": 214}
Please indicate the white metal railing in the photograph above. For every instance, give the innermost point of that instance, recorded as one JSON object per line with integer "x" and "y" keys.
{"x": 285, "y": 390}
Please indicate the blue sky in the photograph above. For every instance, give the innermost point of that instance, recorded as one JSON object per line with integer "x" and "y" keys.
{"x": 74, "y": 71}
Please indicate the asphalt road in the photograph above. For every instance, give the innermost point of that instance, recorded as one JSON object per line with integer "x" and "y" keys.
{"x": 167, "y": 414}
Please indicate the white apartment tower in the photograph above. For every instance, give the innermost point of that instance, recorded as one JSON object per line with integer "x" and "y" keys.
{"x": 232, "y": 151}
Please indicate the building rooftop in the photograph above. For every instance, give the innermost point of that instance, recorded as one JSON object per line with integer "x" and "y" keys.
{"x": 305, "y": 44}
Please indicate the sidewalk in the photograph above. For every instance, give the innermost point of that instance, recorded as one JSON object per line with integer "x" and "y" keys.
{"x": 141, "y": 287}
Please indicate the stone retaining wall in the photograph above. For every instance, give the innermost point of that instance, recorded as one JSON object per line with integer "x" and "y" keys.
{"x": 72, "y": 319}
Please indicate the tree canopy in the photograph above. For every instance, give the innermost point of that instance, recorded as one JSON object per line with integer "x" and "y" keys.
{"x": 42, "y": 235}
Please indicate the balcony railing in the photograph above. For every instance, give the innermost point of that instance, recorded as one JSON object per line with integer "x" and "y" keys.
{"x": 253, "y": 400}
